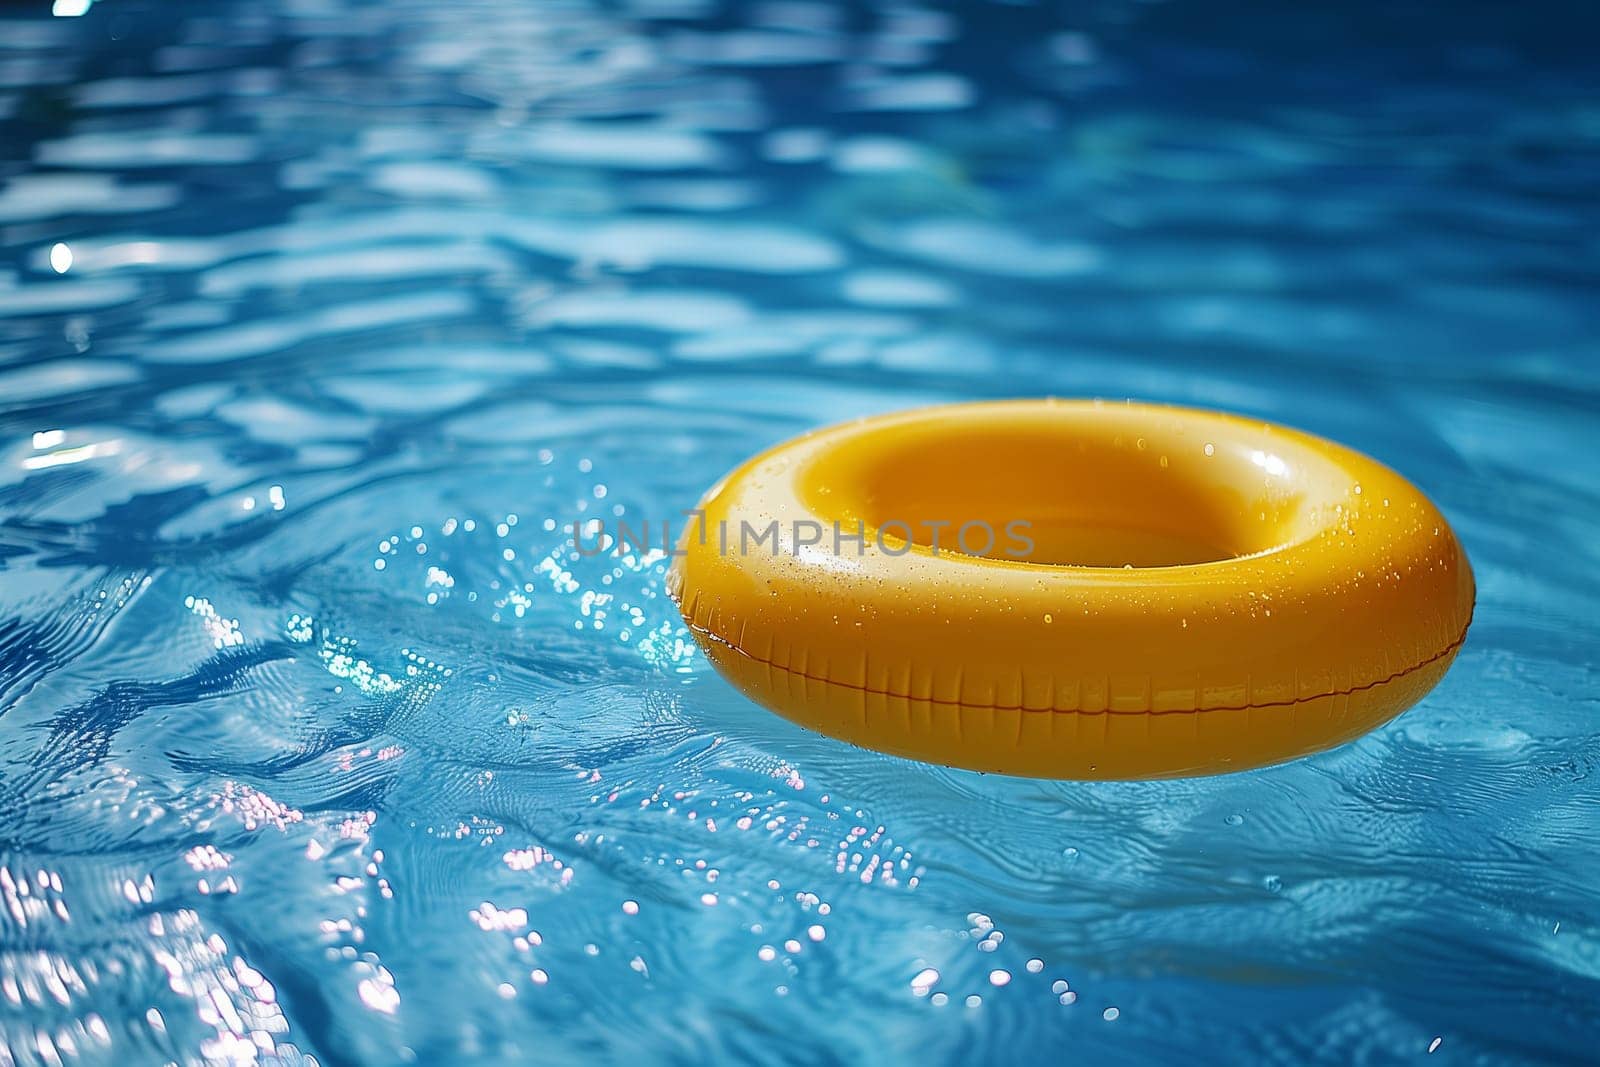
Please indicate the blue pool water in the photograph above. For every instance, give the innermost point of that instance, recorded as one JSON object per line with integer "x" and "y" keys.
{"x": 319, "y": 319}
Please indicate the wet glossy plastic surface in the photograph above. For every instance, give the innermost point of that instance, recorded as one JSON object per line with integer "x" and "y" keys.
{"x": 1347, "y": 599}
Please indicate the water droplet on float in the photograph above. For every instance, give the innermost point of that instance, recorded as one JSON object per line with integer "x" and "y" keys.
{"x": 1110, "y": 1015}
{"x": 1210, "y": 449}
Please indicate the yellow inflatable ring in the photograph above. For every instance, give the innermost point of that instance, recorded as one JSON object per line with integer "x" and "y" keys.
{"x": 1200, "y": 592}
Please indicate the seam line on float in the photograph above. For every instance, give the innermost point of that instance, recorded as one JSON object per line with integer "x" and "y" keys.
{"x": 1396, "y": 676}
